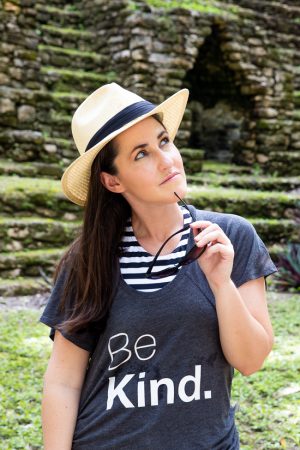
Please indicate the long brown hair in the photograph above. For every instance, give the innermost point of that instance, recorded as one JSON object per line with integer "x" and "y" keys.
{"x": 92, "y": 259}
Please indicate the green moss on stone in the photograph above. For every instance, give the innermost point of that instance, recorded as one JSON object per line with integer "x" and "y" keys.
{"x": 23, "y": 286}
{"x": 44, "y": 196}
{"x": 68, "y": 31}
{"x": 79, "y": 74}
{"x": 204, "y": 6}
{"x": 59, "y": 11}
{"x": 70, "y": 51}
{"x": 222, "y": 168}
{"x": 243, "y": 181}
{"x": 242, "y": 202}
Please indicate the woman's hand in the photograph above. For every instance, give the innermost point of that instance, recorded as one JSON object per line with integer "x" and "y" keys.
{"x": 217, "y": 260}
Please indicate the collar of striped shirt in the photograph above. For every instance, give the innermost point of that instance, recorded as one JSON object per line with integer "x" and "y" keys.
{"x": 135, "y": 260}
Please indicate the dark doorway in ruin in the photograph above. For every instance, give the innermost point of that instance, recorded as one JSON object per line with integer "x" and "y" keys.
{"x": 219, "y": 111}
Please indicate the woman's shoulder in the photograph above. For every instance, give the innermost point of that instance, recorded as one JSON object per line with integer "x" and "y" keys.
{"x": 224, "y": 220}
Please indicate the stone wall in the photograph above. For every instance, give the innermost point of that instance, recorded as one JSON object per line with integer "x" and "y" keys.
{"x": 159, "y": 51}
{"x": 241, "y": 69}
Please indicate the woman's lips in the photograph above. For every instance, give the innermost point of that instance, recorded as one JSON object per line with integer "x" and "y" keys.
{"x": 170, "y": 177}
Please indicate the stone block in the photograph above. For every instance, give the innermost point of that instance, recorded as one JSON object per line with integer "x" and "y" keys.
{"x": 50, "y": 148}
{"x": 6, "y": 106}
{"x": 26, "y": 113}
{"x": 4, "y": 79}
{"x": 266, "y": 112}
{"x": 15, "y": 73}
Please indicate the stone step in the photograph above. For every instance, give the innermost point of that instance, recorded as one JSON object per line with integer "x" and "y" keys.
{"x": 39, "y": 196}
{"x": 72, "y": 58}
{"x": 218, "y": 167}
{"x": 67, "y": 102}
{"x": 34, "y": 233}
{"x": 296, "y": 98}
{"x": 67, "y": 37}
{"x": 24, "y": 196}
{"x": 57, "y": 16}
{"x": 29, "y": 263}
{"x": 20, "y": 145}
{"x": 251, "y": 182}
{"x": 284, "y": 163}
{"x": 296, "y": 114}
{"x": 243, "y": 202}
{"x": 10, "y": 287}
{"x": 65, "y": 80}
{"x": 30, "y": 169}
{"x": 42, "y": 282}
{"x": 192, "y": 159}
{"x": 60, "y": 152}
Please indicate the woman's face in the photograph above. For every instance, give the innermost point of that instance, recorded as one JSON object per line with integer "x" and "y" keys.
{"x": 149, "y": 166}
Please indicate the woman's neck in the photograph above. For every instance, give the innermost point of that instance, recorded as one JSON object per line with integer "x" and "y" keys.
{"x": 156, "y": 223}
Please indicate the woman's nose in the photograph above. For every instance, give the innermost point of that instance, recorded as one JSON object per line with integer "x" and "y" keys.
{"x": 165, "y": 160}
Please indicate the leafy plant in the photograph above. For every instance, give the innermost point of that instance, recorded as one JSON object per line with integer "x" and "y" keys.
{"x": 288, "y": 276}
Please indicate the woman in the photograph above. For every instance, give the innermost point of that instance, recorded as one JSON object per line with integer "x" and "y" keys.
{"x": 144, "y": 348}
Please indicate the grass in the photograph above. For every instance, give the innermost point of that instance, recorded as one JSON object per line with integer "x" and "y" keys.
{"x": 268, "y": 416}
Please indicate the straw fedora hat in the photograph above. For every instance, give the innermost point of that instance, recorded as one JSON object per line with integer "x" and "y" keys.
{"x": 103, "y": 115}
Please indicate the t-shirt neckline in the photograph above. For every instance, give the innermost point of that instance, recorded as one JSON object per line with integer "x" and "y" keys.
{"x": 158, "y": 294}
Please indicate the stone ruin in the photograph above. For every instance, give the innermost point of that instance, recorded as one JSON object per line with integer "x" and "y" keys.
{"x": 241, "y": 65}
{"x": 240, "y": 60}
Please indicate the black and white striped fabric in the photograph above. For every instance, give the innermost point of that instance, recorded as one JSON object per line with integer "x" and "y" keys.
{"x": 135, "y": 261}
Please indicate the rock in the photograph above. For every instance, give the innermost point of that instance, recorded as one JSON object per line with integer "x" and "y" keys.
{"x": 262, "y": 158}
{"x": 267, "y": 112}
{"x": 14, "y": 246}
{"x": 15, "y": 73}
{"x": 50, "y": 148}
{"x": 18, "y": 233}
{"x": 70, "y": 217}
{"x": 12, "y": 7}
{"x": 6, "y": 106}
{"x": 4, "y": 79}
{"x": 26, "y": 113}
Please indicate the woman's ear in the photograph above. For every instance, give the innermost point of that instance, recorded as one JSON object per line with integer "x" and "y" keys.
{"x": 111, "y": 182}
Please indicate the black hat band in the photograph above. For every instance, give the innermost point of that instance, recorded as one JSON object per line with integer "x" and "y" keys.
{"x": 123, "y": 117}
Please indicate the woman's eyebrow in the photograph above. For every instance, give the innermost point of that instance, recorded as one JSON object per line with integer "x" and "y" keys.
{"x": 145, "y": 145}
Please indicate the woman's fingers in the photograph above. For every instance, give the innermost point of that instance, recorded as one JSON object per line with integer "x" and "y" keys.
{"x": 211, "y": 233}
{"x": 212, "y": 236}
{"x": 199, "y": 225}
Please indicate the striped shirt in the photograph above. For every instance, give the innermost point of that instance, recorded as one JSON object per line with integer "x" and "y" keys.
{"x": 135, "y": 260}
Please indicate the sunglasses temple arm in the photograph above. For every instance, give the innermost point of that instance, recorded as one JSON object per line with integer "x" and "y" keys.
{"x": 184, "y": 203}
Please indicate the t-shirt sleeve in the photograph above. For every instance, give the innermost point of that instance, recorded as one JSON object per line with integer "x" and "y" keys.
{"x": 251, "y": 257}
{"x": 53, "y": 316}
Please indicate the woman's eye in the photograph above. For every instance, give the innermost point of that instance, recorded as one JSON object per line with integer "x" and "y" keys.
{"x": 140, "y": 155}
{"x": 165, "y": 139}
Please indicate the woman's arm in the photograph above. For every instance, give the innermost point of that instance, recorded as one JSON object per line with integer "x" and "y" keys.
{"x": 62, "y": 387}
{"x": 245, "y": 329}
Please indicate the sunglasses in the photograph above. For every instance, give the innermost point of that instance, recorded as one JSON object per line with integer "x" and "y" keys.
{"x": 193, "y": 254}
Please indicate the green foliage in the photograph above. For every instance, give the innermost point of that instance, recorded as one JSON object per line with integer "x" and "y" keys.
{"x": 268, "y": 415}
{"x": 24, "y": 350}
{"x": 288, "y": 276}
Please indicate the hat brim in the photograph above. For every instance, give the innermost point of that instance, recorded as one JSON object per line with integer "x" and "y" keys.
{"x": 75, "y": 180}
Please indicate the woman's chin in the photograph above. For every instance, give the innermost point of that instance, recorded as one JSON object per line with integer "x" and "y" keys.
{"x": 181, "y": 189}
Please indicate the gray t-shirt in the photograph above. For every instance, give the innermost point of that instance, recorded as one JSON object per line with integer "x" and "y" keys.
{"x": 157, "y": 377}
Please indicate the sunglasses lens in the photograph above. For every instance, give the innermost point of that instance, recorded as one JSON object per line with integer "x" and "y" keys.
{"x": 193, "y": 254}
